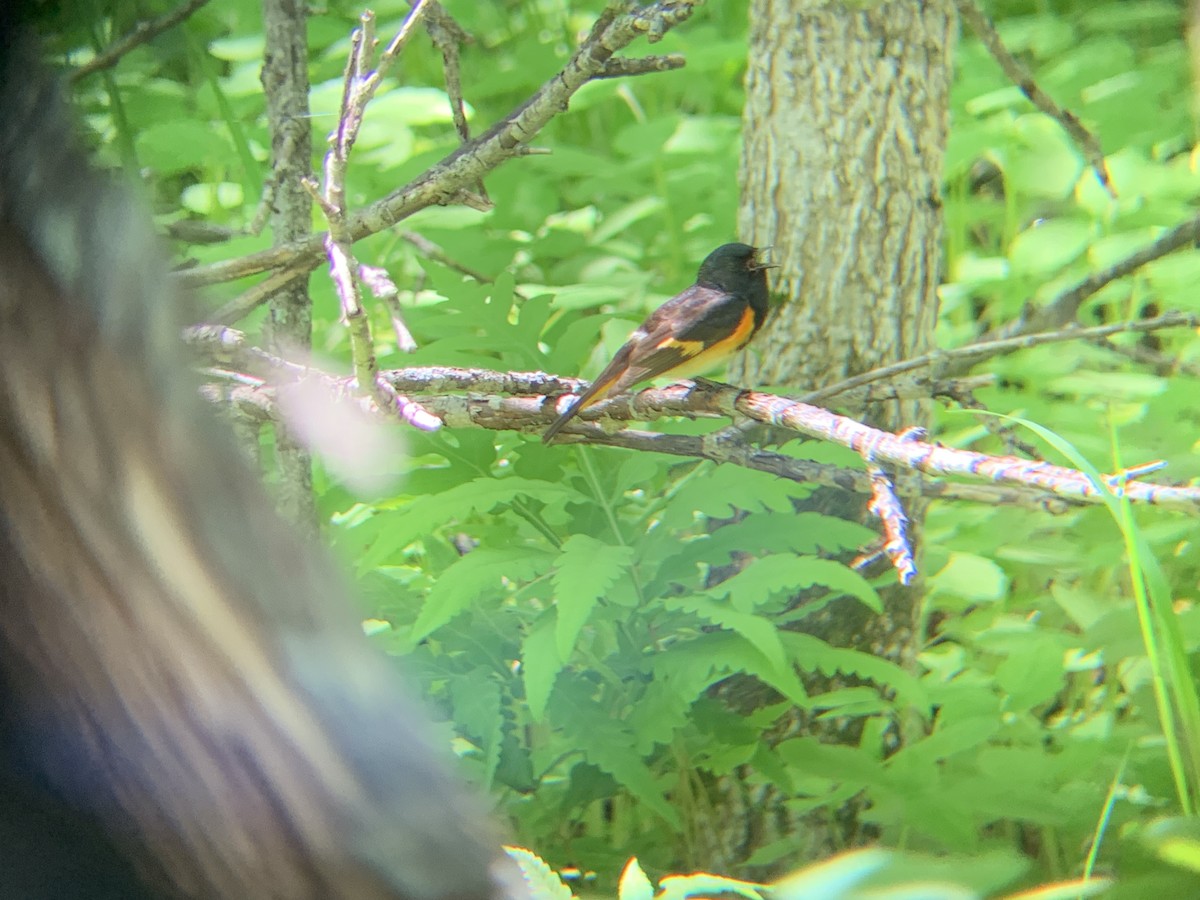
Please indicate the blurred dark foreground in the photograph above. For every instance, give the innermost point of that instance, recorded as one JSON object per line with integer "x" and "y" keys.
{"x": 189, "y": 706}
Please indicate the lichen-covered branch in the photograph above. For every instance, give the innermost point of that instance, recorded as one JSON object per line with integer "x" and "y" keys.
{"x": 525, "y": 401}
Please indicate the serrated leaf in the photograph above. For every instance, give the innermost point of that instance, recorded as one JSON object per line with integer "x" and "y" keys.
{"x": 760, "y": 632}
{"x": 763, "y": 578}
{"x": 474, "y": 578}
{"x": 397, "y": 528}
{"x": 716, "y": 654}
{"x": 477, "y": 709}
{"x": 608, "y": 745}
{"x": 716, "y": 491}
{"x": 951, "y": 739}
{"x": 812, "y": 654}
{"x": 540, "y": 664}
{"x": 620, "y": 761}
{"x": 702, "y": 884}
{"x": 585, "y": 570}
{"x": 634, "y": 885}
{"x": 542, "y": 881}
{"x": 838, "y": 763}
{"x": 833, "y": 878}
{"x": 764, "y": 532}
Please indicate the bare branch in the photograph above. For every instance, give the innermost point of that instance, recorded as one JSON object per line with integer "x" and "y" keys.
{"x": 622, "y": 67}
{"x": 458, "y": 172}
{"x": 255, "y": 396}
{"x": 1023, "y": 78}
{"x": 357, "y": 91}
{"x": 380, "y": 283}
{"x": 887, "y": 507}
{"x": 1065, "y": 306}
{"x": 448, "y": 36}
{"x": 881, "y": 446}
{"x": 530, "y": 406}
{"x": 433, "y": 251}
{"x": 142, "y": 33}
{"x": 962, "y": 358}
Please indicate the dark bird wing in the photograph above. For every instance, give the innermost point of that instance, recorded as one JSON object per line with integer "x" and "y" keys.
{"x": 690, "y": 333}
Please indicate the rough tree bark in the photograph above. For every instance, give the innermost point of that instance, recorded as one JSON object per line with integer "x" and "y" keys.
{"x": 845, "y": 130}
{"x": 289, "y": 332}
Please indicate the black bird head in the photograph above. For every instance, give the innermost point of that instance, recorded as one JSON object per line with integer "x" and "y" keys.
{"x": 736, "y": 268}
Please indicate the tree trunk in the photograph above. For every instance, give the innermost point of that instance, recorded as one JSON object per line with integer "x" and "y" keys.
{"x": 845, "y": 131}
{"x": 289, "y": 333}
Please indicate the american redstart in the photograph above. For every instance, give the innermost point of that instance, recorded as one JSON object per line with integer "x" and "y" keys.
{"x": 691, "y": 333}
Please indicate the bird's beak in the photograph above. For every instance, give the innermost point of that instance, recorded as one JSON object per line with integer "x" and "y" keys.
{"x": 758, "y": 263}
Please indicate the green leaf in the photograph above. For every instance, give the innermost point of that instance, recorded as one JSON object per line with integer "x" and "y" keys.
{"x": 682, "y": 887}
{"x": 1032, "y": 674}
{"x": 1048, "y": 246}
{"x": 542, "y": 881}
{"x": 540, "y": 664}
{"x": 837, "y": 763}
{"x": 1117, "y": 385}
{"x": 479, "y": 577}
{"x": 970, "y": 577}
{"x": 477, "y": 711}
{"x": 764, "y": 578}
{"x": 585, "y": 570}
{"x": 180, "y": 145}
{"x": 832, "y": 879}
{"x": 414, "y": 106}
{"x": 608, "y": 745}
{"x": 634, "y": 885}
{"x": 949, "y": 740}
{"x": 760, "y": 632}
{"x": 623, "y": 218}
{"x": 419, "y": 518}
{"x": 1046, "y": 163}
{"x": 812, "y": 654}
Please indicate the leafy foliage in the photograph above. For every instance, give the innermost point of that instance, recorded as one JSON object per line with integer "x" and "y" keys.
{"x": 570, "y": 610}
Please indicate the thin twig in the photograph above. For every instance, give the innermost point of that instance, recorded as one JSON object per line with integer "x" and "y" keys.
{"x": 448, "y": 37}
{"x": 1065, "y": 306}
{"x": 437, "y": 254}
{"x": 624, "y": 67}
{"x": 1023, "y": 78}
{"x": 142, "y": 33}
{"x": 380, "y": 283}
{"x": 357, "y": 90}
{"x": 886, "y": 506}
{"x": 463, "y": 168}
{"x": 962, "y": 358}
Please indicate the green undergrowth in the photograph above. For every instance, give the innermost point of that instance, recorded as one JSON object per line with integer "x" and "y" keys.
{"x": 569, "y": 611}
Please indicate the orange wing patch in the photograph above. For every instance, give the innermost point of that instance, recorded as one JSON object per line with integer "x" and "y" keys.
{"x": 700, "y": 359}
